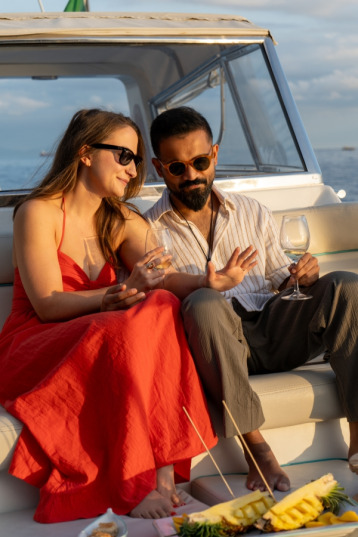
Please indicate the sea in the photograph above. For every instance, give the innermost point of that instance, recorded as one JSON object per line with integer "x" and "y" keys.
{"x": 339, "y": 170}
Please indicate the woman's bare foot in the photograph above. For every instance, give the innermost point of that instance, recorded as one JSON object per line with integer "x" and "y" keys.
{"x": 276, "y": 478}
{"x": 160, "y": 502}
{"x": 154, "y": 505}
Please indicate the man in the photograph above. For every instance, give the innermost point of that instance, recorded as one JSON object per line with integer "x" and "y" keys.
{"x": 244, "y": 331}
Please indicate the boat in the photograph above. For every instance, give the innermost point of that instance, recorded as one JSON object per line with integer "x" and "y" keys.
{"x": 227, "y": 68}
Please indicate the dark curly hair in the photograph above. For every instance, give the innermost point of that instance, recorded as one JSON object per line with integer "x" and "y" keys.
{"x": 177, "y": 121}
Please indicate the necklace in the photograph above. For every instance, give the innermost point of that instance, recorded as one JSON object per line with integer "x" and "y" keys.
{"x": 211, "y": 230}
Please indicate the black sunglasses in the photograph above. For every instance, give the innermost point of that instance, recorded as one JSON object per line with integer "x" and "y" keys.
{"x": 125, "y": 155}
{"x": 178, "y": 167}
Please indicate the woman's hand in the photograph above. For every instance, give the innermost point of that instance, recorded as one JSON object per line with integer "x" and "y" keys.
{"x": 119, "y": 297}
{"x": 149, "y": 271}
{"x": 234, "y": 271}
{"x": 306, "y": 270}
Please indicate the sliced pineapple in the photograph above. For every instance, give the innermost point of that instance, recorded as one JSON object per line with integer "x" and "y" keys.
{"x": 328, "y": 519}
{"x": 349, "y": 516}
{"x": 303, "y": 505}
{"x": 224, "y": 519}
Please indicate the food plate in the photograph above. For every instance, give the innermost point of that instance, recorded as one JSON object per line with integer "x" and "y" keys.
{"x": 109, "y": 516}
{"x": 165, "y": 528}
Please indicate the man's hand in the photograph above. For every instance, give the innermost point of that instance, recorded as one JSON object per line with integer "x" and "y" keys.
{"x": 234, "y": 271}
{"x": 306, "y": 270}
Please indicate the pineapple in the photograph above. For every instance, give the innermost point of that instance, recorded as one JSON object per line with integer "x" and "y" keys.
{"x": 224, "y": 519}
{"x": 303, "y": 505}
{"x": 328, "y": 519}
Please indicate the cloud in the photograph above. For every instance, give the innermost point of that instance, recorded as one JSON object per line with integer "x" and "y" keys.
{"x": 338, "y": 87}
{"x": 317, "y": 47}
{"x": 13, "y": 105}
{"x": 318, "y": 8}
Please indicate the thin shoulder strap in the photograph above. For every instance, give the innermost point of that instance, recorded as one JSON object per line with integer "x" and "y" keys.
{"x": 63, "y": 224}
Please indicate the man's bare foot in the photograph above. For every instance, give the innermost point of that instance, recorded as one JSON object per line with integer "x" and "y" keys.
{"x": 353, "y": 447}
{"x": 154, "y": 505}
{"x": 276, "y": 478}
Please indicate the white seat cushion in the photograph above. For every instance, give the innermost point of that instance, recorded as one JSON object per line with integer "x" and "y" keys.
{"x": 306, "y": 394}
{"x": 10, "y": 429}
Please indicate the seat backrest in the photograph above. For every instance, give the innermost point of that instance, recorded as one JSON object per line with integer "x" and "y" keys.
{"x": 333, "y": 228}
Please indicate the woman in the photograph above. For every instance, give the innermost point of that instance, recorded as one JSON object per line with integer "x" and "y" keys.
{"x": 97, "y": 371}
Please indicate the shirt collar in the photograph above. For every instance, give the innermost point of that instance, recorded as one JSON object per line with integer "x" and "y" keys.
{"x": 224, "y": 198}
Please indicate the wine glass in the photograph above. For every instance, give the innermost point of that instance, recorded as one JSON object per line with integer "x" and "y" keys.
{"x": 295, "y": 240}
{"x": 160, "y": 237}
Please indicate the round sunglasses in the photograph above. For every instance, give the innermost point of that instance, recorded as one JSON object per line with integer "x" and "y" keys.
{"x": 124, "y": 156}
{"x": 178, "y": 167}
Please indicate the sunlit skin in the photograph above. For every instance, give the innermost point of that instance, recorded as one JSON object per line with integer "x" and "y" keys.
{"x": 38, "y": 229}
{"x": 37, "y": 232}
{"x": 185, "y": 148}
{"x": 353, "y": 446}
{"x": 104, "y": 176}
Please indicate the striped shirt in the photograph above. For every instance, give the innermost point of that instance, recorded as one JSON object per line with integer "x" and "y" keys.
{"x": 241, "y": 221}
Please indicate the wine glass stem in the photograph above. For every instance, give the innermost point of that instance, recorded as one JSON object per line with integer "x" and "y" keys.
{"x": 296, "y": 288}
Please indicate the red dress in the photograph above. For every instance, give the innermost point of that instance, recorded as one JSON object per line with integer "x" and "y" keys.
{"x": 101, "y": 398}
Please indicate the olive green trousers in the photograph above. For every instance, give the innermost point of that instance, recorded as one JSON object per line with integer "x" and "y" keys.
{"x": 229, "y": 344}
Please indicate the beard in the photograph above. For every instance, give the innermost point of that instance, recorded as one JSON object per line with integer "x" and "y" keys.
{"x": 194, "y": 199}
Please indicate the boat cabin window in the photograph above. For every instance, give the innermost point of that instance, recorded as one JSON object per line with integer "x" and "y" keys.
{"x": 238, "y": 96}
{"x": 233, "y": 85}
{"x": 34, "y": 114}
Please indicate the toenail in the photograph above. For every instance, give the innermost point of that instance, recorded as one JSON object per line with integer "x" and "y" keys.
{"x": 172, "y": 513}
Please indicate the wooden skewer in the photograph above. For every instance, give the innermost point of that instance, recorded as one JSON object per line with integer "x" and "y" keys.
{"x": 248, "y": 450}
{"x": 208, "y": 452}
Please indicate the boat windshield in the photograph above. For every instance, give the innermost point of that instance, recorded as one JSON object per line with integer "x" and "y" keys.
{"x": 238, "y": 86}
{"x": 238, "y": 95}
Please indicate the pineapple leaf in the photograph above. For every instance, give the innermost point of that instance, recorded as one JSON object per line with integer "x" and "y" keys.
{"x": 200, "y": 530}
{"x": 334, "y": 499}
{"x": 207, "y": 529}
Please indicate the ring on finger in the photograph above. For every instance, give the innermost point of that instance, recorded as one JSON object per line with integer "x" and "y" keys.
{"x": 150, "y": 265}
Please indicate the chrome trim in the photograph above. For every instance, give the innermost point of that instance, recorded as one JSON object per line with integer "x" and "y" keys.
{"x": 133, "y": 40}
{"x": 292, "y": 110}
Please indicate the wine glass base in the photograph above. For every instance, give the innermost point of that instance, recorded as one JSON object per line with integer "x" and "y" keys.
{"x": 296, "y": 296}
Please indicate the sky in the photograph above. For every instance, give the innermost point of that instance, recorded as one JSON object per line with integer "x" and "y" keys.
{"x": 317, "y": 47}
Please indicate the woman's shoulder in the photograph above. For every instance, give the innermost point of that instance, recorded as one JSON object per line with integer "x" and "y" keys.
{"x": 38, "y": 209}
{"x": 132, "y": 217}
{"x": 130, "y": 211}
{"x": 133, "y": 224}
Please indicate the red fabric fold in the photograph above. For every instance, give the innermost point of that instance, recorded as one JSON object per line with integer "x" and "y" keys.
{"x": 101, "y": 400}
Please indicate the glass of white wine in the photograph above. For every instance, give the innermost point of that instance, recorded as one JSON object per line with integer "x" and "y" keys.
{"x": 160, "y": 237}
{"x": 295, "y": 240}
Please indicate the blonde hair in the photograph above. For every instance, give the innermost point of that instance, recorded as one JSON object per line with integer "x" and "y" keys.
{"x": 88, "y": 127}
